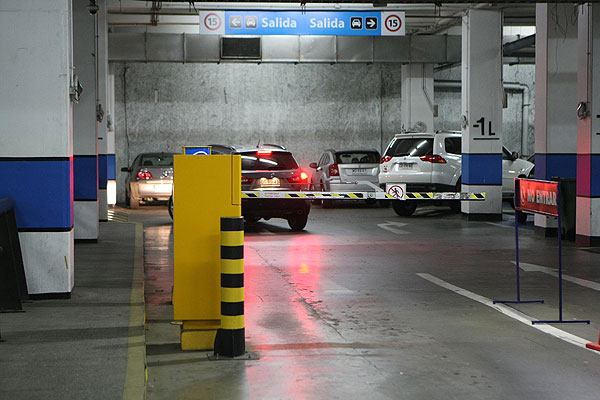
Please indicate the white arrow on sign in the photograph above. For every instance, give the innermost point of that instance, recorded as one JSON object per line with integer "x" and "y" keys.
{"x": 371, "y": 23}
{"x": 551, "y": 271}
{"x": 389, "y": 227}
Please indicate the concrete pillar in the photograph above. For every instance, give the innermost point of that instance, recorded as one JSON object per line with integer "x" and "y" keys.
{"x": 111, "y": 176}
{"x": 588, "y": 127}
{"x": 482, "y": 94}
{"x": 36, "y": 137}
{"x": 417, "y": 97}
{"x": 555, "y": 97}
{"x": 85, "y": 134}
{"x": 102, "y": 79}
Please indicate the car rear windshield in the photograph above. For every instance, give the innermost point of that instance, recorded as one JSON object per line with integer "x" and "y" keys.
{"x": 274, "y": 161}
{"x": 157, "y": 160}
{"x": 354, "y": 157}
{"x": 412, "y": 147}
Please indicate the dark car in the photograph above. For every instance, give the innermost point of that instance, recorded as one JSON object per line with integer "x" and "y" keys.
{"x": 271, "y": 168}
{"x": 150, "y": 177}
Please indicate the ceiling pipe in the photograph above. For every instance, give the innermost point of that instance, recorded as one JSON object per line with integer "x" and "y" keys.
{"x": 508, "y": 86}
{"x": 512, "y": 47}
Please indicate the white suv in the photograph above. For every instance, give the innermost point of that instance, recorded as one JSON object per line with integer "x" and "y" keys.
{"x": 431, "y": 162}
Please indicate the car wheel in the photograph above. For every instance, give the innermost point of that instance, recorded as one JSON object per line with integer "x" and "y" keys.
{"x": 404, "y": 208}
{"x": 170, "y": 206}
{"x": 455, "y": 204}
{"x": 326, "y": 203}
{"x": 298, "y": 222}
{"x": 134, "y": 202}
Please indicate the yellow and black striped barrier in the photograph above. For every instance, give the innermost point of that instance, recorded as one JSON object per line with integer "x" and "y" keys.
{"x": 230, "y": 339}
{"x": 375, "y": 195}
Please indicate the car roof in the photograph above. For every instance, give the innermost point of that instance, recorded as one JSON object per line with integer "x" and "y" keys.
{"x": 409, "y": 134}
{"x": 427, "y": 134}
{"x": 243, "y": 149}
{"x": 354, "y": 150}
{"x": 157, "y": 154}
{"x": 249, "y": 149}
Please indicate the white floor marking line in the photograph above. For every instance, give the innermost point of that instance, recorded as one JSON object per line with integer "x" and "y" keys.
{"x": 500, "y": 225}
{"x": 389, "y": 227}
{"x": 510, "y": 312}
{"x": 554, "y": 272}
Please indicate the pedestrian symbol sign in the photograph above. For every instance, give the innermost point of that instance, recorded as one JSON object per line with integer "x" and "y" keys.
{"x": 397, "y": 191}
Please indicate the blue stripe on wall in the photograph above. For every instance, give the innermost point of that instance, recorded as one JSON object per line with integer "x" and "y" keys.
{"x": 548, "y": 166}
{"x": 482, "y": 169}
{"x": 588, "y": 175}
{"x": 111, "y": 164}
{"x": 102, "y": 171}
{"x": 42, "y": 191}
{"x": 85, "y": 172}
{"x": 595, "y": 178}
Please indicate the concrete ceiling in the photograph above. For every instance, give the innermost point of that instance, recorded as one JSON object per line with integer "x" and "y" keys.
{"x": 421, "y": 17}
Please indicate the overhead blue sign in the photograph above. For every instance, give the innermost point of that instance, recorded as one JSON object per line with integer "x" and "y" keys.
{"x": 197, "y": 150}
{"x": 322, "y": 23}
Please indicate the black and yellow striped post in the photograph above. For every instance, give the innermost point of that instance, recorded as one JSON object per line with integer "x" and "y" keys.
{"x": 230, "y": 339}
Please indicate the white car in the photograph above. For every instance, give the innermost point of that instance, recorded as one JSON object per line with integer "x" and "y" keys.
{"x": 354, "y": 170}
{"x": 431, "y": 162}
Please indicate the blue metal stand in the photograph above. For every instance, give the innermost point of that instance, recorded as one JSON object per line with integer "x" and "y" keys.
{"x": 518, "y": 301}
{"x": 560, "y": 300}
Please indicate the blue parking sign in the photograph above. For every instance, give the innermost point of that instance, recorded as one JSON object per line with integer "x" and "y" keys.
{"x": 197, "y": 150}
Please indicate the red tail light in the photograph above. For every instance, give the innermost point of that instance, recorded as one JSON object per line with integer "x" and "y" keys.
{"x": 144, "y": 174}
{"x": 434, "y": 158}
{"x": 302, "y": 178}
{"x": 264, "y": 152}
{"x": 333, "y": 170}
{"x": 246, "y": 180}
{"x": 385, "y": 159}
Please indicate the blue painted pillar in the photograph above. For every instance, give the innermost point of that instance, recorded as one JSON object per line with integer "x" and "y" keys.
{"x": 111, "y": 176}
{"x": 482, "y": 93}
{"x": 588, "y": 127}
{"x": 36, "y": 159}
{"x": 555, "y": 97}
{"x": 102, "y": 79}
{"x": 85, "y": 127}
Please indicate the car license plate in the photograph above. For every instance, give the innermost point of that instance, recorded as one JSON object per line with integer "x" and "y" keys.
{"x": 359, "y": 171}
{"x": 273, "y": 182}
{"x": 405, "y": 164}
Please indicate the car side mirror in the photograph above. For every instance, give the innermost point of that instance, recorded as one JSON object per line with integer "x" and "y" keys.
{"x": 313, "y": 165}
{"x": 515, "y": 155}
{"x": 125, "y": 169}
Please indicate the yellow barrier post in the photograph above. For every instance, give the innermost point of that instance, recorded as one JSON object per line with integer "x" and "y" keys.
{"x": 206, "y": 188}
{"x": 230, "y": 339}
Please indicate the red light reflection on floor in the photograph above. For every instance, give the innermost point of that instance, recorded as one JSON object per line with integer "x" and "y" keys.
{"x": 292, "y": 301}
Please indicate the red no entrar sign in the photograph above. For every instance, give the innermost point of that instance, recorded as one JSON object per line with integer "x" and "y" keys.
{"x": 538, "y": 196}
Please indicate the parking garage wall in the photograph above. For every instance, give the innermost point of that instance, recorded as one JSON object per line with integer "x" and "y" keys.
{"x": 449, "y": 106}
{"x": 305, "y": 107}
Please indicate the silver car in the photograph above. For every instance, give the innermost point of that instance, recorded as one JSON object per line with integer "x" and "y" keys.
{"x": 149, "y": 178}
{"x": 352, "y": 170}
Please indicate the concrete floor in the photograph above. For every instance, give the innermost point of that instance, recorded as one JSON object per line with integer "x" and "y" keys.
{"x": 363, "y": 304}
{"x": 90, "y": 346}
{"x": 340, "y": 311}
